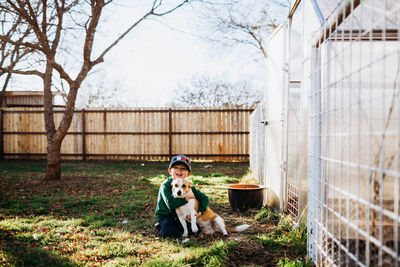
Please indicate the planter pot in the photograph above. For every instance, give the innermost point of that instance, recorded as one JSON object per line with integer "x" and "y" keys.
{"x": 245, "y": 196}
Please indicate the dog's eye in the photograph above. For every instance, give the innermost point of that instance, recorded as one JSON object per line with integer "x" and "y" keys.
{"x": 176, "y": 185}
{"x": 184, "y": 186}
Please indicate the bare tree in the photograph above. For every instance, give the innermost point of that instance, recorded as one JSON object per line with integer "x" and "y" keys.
{"x": 51, "y": 21}
{"x": 10, "y": 55}
{"x": 207, "y": 90}
{"x": 247, "y": 22}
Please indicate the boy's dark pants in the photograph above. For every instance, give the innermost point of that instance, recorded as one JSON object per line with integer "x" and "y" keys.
{"x": 170, "y": 226}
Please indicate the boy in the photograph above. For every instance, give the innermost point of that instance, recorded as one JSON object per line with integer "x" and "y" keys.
{"x": 179, "y": 168}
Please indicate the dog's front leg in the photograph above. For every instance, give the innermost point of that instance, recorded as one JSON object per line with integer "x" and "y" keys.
{"x": 193, "y": 222}
{"x": 184, "y": 225}
{"x": 193, "y": 219}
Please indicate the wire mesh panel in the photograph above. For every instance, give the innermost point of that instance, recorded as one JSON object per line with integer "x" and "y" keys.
{"x": 354, "y": 164}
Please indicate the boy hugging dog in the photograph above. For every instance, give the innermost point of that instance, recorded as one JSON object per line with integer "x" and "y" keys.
{"x": 179, "y": 202}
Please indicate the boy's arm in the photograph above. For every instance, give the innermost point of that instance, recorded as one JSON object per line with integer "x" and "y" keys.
{"x": 171, "y": 202}
{"x": 202, "y": 198}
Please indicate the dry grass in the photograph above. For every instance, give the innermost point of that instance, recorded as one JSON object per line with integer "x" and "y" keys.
{"x": 102, "y": 213}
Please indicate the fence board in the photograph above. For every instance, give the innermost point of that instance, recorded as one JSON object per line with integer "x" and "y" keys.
{"x": 136, "y": 134}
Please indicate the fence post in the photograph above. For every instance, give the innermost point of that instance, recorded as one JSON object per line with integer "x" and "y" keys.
{"x": 83, "y": 135}
{"x": 1, "y": 135}
{"x": 170, "y": 132}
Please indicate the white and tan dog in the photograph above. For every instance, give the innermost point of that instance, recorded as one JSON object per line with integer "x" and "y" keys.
{"x": 209, "y": 222}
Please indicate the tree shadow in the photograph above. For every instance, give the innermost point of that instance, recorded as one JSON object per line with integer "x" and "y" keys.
{"x": 100, "y": 194}
{"x": 28, "y": 253}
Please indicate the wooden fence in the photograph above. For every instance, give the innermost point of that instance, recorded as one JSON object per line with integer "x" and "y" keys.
{"x": 131, "y": 134}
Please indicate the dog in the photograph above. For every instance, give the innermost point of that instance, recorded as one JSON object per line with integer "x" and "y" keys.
{"x": 209, "y": 222}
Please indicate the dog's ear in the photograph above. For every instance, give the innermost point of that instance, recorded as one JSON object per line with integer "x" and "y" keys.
{"x": 190, "y": 185}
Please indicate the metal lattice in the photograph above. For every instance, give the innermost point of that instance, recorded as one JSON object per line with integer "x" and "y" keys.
{"x": 354, "y": 152}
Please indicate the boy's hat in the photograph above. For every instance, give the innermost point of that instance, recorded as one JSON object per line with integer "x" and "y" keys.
{"x": 182, "y": 159}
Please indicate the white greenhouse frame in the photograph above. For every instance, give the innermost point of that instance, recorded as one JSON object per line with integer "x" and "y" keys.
{"x": 331, "y": 136}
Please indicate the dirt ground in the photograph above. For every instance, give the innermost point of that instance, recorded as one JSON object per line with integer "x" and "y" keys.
{"x": 248, "y": 252}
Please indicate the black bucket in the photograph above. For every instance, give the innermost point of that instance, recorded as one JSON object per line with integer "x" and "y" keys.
{"x": 246, "y": 196}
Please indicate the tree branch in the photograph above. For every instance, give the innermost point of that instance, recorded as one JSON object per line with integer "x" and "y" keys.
{"x": 171, "y": 10}
{"x": 60, "y": 14}
{"x": 63, "y": 74}
{"x": 20, "y": 43}
{"x": 151, "y": 12}
{"x": 23, "y": 72}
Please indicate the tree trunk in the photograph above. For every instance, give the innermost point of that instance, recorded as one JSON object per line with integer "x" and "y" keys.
{"x": 3, "y": 91}
{"x": 53, "y": 167}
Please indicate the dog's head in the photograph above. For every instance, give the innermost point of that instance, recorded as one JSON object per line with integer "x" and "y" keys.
{"x": 180, "y": 188}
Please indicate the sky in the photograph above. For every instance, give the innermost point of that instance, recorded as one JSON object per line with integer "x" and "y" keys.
{"x": 150, "y": 62}
{"x": 155, "y": 57}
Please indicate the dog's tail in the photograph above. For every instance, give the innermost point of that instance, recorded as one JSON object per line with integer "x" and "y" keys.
{"x": 237, "y": 229}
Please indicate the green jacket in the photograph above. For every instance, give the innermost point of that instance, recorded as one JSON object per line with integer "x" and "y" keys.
{"x": 166, "y": 203}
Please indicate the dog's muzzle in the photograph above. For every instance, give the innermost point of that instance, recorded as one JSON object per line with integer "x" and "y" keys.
{"x": 179, "y": 193}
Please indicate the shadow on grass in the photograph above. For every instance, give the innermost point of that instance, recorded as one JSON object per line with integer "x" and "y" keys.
{"x": 98, "y": 197}
{"x": 88, "y": 184}
{"x": 90, "y": 197}
{"x": 18, "y": 253}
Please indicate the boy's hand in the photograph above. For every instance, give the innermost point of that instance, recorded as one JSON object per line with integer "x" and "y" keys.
{"x": 190, "y": 196}
{"x": 198, "y": 214}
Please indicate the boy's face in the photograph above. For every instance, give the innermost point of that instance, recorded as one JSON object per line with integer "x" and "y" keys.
{"x": 179, "y": 171}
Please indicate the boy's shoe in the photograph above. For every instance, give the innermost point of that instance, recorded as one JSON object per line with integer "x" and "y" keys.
{"x": 157, "y": 226}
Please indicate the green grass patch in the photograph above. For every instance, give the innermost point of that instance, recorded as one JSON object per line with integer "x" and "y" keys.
{"x": 199, "y": 180}
{"x": 267, "y": 216}
{"x": 292, "y": 239}
{"x": 102, "y": 213}
{"x": 216, "y": 254}
{"x": 294, "y": 263}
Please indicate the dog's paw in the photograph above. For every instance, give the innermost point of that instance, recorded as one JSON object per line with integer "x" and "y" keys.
{"x": 185, "y": 234}
{"x": 195, "y": 229}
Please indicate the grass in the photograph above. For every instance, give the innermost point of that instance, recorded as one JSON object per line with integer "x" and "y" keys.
{"x": 102, "y": 214}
